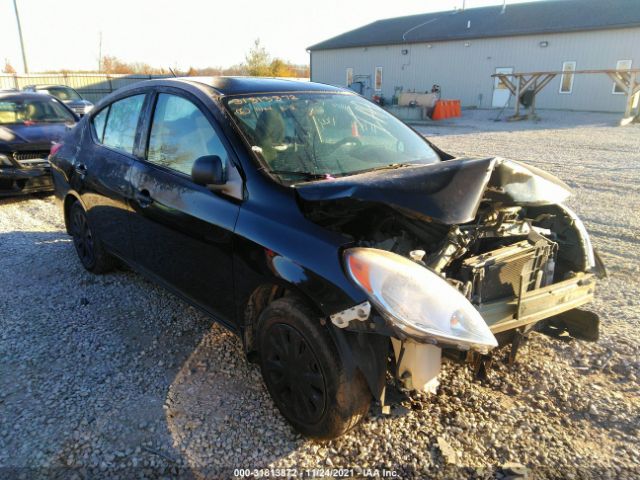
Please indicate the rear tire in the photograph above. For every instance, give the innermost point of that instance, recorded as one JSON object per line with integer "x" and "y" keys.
{"x": 89, "y": 248}
{"x": 304, "y": 373}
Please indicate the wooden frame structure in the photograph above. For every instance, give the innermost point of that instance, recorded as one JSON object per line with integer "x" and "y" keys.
{"x": 520, "y": 83}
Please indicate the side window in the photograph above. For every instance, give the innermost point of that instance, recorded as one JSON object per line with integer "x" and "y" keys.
{"x": 99, "y": 121}
{"x": 180, "y": 134}
{"x": 120, "y": 131}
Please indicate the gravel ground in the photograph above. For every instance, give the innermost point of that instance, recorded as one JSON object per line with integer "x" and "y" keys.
{"x": 111, "y": 375}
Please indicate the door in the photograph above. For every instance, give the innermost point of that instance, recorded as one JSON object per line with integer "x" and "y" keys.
{"x": 101, "y": 171}
{"x": 183, "y": 232}
{"x": 501, "y": 93}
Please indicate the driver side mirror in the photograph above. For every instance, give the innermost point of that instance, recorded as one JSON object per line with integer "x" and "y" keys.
{"x": 209, "y": 171}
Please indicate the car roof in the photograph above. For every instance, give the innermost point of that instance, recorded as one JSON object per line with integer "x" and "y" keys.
{"x": 10, "y": 96}
{"x": 46, "y": 85}
{"x": 248, "y": 85}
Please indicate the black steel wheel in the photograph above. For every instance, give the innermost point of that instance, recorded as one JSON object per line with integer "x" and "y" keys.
{"x": 304, "y": 372}
{"x": 293, "y": 369}
{"x": 90, "y": 250}
{"x": 82, "y": 236}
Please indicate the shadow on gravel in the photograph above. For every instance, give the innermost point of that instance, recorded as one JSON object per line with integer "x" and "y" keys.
{"x": 87, "y": 362}
{"x": 219, "y": 413}
{"x": 112, "y": 374}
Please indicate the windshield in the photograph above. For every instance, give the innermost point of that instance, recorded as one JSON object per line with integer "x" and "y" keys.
{"x": 307, "y": 136}
{"x": 64, "y": 93}
{"x": 45, "y": 110}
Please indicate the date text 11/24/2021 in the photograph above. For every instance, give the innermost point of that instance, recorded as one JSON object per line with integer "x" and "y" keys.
{"x": 313, "y": 473}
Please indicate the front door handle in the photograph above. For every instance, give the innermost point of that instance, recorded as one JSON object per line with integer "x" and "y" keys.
{"x": 81, "y": 170}
{"x": 143, "y": 197}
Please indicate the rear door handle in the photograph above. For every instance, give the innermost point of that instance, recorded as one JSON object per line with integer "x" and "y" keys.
{"x": 81, "y": 170}
{"x": 143, "y": 197}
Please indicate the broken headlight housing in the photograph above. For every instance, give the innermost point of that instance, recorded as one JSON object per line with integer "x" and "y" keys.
{"x": 417, "y": 301}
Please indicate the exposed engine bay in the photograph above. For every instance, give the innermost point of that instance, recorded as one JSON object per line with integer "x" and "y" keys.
{"x": 483, "y": 259}
{"x": 510, "y": 248}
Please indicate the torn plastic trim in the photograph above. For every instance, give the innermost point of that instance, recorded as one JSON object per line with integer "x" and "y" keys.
{"x": 359, "y": 312}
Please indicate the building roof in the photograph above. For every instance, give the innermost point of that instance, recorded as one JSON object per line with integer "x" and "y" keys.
{"x": 548, "y": 16}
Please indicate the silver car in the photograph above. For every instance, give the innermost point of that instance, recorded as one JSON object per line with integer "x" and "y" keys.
{"x": 68, "y": 95}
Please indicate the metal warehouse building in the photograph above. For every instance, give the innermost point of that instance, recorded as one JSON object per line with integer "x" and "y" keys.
{"x": 460, "y": 50}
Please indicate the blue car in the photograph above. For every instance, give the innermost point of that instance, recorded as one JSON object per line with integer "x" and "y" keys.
{"x": 30, "y": 123}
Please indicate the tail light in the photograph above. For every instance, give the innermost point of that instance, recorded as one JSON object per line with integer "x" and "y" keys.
{"x": 54, "y": 148}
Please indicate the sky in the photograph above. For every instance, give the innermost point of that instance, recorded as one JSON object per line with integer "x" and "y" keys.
{"x": 64, "y": 34}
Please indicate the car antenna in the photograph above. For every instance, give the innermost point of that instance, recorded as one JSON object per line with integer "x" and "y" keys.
{"x": 172, "y": 72}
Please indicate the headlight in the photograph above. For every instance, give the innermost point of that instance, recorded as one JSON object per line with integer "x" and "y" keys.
{"x": 418, "y": 301}
{"x": 4, "y": 161}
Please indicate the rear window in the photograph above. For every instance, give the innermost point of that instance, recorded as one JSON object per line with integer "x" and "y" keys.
{"x": 121, "y": 123}
{"x": 99, "y": 122}
{"x": 64, "y": 94}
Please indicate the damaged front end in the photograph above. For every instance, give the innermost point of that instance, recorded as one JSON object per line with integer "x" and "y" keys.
{"x": 463, "y": 255}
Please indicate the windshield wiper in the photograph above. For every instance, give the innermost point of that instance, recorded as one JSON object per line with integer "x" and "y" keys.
{"x": 305, "y": 175}
{"x": 394, "y": 165}
{"x": 391, "y": 166}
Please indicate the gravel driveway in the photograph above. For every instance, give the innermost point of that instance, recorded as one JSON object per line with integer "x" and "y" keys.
{"x": 112, "y": 374}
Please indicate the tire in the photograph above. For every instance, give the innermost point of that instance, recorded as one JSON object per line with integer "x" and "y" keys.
{"x": 89, "y": 248}
{"x": 304, "y": 373}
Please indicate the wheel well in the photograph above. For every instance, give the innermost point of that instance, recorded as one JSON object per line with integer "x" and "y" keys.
{"x": 258, "y": 301}
{"x": 68, "y": 201}
{"x": 363, "y": 353}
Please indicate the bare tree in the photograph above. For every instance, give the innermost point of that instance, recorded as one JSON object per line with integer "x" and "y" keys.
{"x": 8, "y": 68}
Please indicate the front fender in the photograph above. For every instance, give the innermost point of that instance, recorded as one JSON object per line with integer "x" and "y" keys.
{"x": 290, "y": 250}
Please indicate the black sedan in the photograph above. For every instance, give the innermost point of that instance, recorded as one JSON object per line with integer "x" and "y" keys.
{"x": 30, "y": 124}
{"x": 338, "y": 243}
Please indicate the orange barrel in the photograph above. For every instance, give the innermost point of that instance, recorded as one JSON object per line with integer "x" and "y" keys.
{"x": 457, "y": 108}
{"x": 438, "y": 111}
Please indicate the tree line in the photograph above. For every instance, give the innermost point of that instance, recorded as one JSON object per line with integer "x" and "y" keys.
{"x": 257, "y": 62}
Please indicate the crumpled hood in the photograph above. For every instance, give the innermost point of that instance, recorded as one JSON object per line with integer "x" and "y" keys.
{"x": 19, "y": 134}
{"x": 449, "y": 191}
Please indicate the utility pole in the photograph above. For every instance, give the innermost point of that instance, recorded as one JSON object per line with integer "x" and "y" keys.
{"x": 24, "y": 55}
{"x": 100, "y": 52}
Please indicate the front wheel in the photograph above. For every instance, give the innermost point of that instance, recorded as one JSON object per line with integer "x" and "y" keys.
{"x": 89, "y": 248}
{"x": 304, "y": 373}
